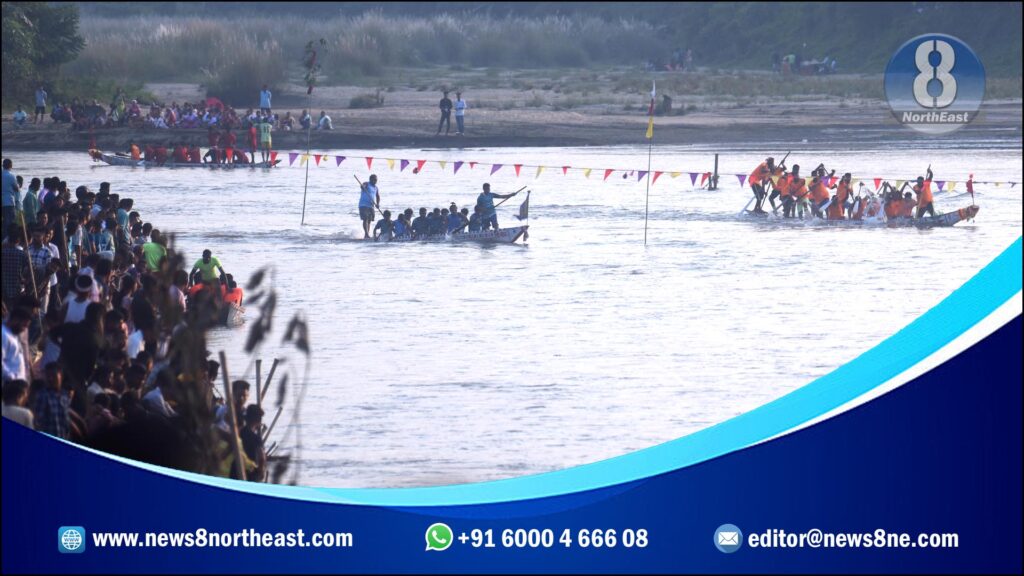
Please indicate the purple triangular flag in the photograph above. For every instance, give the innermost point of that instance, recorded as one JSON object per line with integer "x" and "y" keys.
{"x": 291, "y": 157}
{"x": 693, "y": 178}
{"x": 940, "y": 184}
{"x": 742, "y": 177}
{"x": 640, "y": 175}
{"x": 458, "y": 165}
{"x": 495, "y": 168}
{"x": 338, "y": 160}
{"x": 404, "y": 164}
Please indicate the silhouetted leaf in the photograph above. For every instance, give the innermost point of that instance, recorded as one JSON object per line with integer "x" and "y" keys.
{"x": 282, "y": 388}
{"x": 256, "y": 278}
{"x": 255, "y": 298}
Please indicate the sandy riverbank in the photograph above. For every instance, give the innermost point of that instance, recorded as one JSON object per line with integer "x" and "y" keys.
{"x": 509, "y": 117}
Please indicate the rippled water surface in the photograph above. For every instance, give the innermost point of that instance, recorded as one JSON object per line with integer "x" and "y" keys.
{"x": 443, "y": 363}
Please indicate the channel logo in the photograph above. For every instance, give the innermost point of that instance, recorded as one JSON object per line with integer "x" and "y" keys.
{"x": 71, "y": 539}
{"x": 935, "y": 84}
{"x": 728, "y": 538}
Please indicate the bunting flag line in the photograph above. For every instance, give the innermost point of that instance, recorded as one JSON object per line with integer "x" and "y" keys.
{"x": 627, "y": 174}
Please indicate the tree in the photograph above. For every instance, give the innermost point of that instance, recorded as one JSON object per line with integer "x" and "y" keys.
{"x": 37, "y": 39}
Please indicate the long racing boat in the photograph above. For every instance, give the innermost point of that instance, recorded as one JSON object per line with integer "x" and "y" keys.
{"x": 499, "y": 236}
{"x": 125, "y": 160}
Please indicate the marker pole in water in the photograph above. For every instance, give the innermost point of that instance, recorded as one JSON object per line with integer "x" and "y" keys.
{"x": 647, "y": 200}
{"x": 309, "y": 132}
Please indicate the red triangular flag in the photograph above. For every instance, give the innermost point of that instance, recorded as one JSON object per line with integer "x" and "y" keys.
{"x": 565, "y": 169}
{"x": 369, "y": 162}
{"x": 316, "y": 157}
{"x": 472, "y": 165}
{"x": 656, "y": 175}
{"x": 419, "y": 165}
{"x": 273, "y": 157}
{"x": 878, "y": 182}
{"x": 704, "y": 177}
{"x": 608, "y": 173}
{"x": 517, "y": 167}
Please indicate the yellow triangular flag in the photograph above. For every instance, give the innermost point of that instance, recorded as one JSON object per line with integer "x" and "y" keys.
{"x": 674, "y": 174}
{"x": 775, "y": 179}
{"x": 586, "y": 173}
{"x": 899, "y": 184}
{"x": 391, "y": 163}
{"x": 996, "y": 184}
{"x": 539, "y": 170}
{"x": 302, "y": 161}
{"x": 950, "y": 185}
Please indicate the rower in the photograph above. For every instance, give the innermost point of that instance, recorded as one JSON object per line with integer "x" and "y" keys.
{"x": 476, "y": 219}
{"x": 907, "y": 210}
{"x": 838, "y": 206}
{"x": 437, "y": 222}
{"x": 385, "y": 228}
{"x": 454, "y": 219}
{"x": 136, "y": 155}
{"x": 369, "y": 200}
{"x": 206, "y": 266}
{"x": 420, "y": 224}
{"x": 486, "y": 202}
{"x": 796, "y": 189}
{"x": 757, "y": 179}
{"x": 230, "y": 291}
{"x": 923, "y": 189}
{"x": 401, "y": 226}
{"x": 819, "y": 195}
{"x": 778, "y": 173}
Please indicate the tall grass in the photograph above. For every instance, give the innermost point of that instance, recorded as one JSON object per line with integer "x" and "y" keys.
{"x": 257, "y": 48}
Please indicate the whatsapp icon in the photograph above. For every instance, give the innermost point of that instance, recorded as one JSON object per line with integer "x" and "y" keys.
{"x": 438, "y": 537}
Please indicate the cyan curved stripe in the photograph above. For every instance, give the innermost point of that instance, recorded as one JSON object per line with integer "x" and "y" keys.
{"x": 980, "y": 296}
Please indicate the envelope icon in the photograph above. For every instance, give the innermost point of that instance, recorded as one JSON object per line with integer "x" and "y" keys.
{"x": 728, "y": 539}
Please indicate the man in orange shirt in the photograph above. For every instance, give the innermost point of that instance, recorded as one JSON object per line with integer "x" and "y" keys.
{"x": 923, "y": 189}
{"x": 796, "y": 188}
{"x": 757, "y": 179}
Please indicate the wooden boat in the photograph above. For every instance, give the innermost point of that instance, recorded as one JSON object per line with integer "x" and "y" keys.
{"x": 125, "y": 160}
{"x": 938, "y": 221}
{"x": 500, "y": 236}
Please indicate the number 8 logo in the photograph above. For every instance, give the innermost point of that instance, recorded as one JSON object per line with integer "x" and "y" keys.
{"x": 941, "y": 73}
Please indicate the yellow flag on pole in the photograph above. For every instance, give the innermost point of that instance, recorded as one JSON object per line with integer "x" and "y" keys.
{"x": 650, "y": 114}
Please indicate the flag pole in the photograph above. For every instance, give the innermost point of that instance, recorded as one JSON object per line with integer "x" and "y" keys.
{"x": 309, "y": 132}
{"x": 650, "y": 150}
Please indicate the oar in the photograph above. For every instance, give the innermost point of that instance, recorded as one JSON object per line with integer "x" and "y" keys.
{"x": 745, "y": 208}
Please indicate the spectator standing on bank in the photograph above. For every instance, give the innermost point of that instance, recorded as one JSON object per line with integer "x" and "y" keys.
{"x": 446, "y": 115}
{"x": 265, "y": 99}
{"x": 40, "y": 105}
{"x": 460, "y": 114}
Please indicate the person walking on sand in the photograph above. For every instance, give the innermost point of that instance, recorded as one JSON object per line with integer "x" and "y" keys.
{"x": 460, "y": 114}
{"x": 265, "y": 100}
{"x": 40, "y": 105}
{"x": 446, "y": 115}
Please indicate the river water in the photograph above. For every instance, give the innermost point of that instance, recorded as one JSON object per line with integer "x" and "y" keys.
{"x": 443, "y": 363}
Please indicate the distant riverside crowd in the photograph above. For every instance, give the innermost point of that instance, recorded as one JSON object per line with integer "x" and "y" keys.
{"x": 125, "y": 112}
{"x": 102, "y": 332}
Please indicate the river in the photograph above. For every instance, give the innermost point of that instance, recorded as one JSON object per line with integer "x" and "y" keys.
{"x": 448, "y": 363}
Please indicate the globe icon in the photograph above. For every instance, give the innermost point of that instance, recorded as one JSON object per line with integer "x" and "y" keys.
{"x": 71, "y": 539}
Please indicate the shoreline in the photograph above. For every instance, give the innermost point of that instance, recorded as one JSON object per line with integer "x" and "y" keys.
{"x": 408, "y": 127}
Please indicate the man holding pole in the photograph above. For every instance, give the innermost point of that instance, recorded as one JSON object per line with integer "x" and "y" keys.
{"x": 369, "y": 200}
{"x": 486, "y": 202}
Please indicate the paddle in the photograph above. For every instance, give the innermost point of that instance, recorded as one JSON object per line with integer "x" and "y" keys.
{"x": 459, "y": 229}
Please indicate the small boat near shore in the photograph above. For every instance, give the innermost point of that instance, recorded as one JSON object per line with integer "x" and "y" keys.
{"x": 120, "y": 159}
{"x": 500, "y": 236}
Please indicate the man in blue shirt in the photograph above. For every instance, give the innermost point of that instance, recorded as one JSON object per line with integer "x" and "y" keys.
{"x": 12, "y": 201}
{"x": 486, "y": 202}
{"x": 369, "y": 199}
{"x": 421, "y": 224}
{"x": 265, "y": 100}
{"x": 385, "y": 228}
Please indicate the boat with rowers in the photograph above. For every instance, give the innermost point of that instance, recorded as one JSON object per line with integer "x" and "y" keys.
{"x": 499, "y": 236}
{"x": 872, "y": 215}
{"x": 122, "y": 159}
